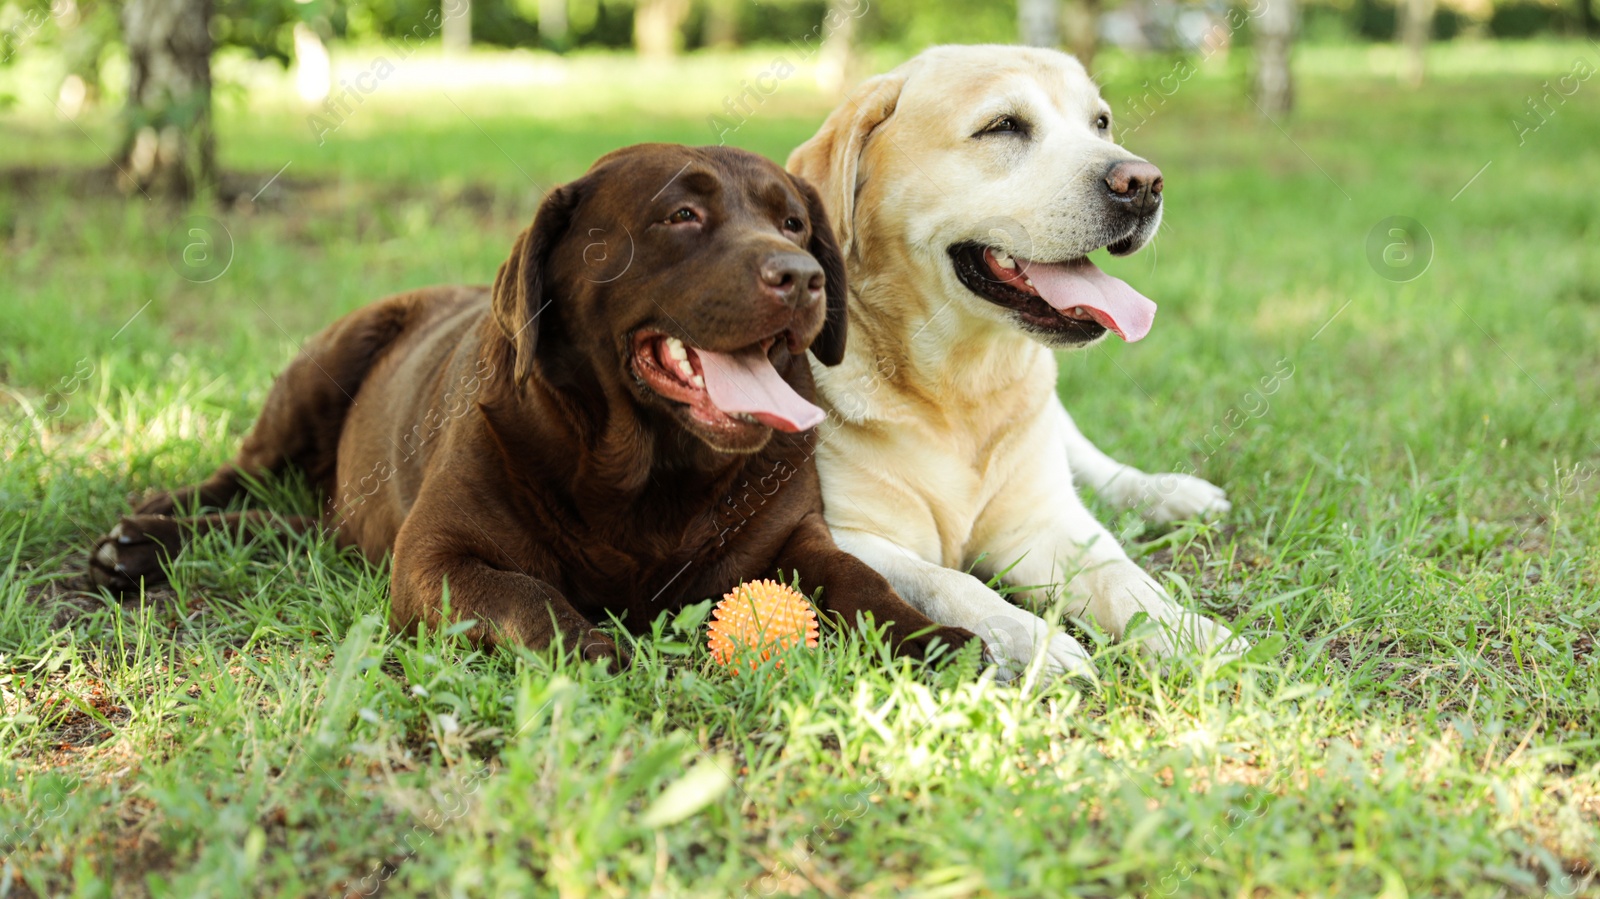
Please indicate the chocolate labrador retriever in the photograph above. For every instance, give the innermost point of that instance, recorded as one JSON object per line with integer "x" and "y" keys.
{"x": 569, "y": 442}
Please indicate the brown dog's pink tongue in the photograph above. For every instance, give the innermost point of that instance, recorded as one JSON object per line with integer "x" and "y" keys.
{"x": 748, "y": 383}
{"x": 1113, "y": 303}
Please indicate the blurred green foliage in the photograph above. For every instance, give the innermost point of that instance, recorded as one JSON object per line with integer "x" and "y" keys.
{"x": 1373, "y": 20}
{"x": 82, "y": 33}
{"x": 264, "y": 26}
{"x": 1526, "y": 18}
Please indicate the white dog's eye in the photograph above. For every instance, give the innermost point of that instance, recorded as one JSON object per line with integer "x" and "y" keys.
{"x": 1103, "y": 122}
{"x": 1003, "y": 125}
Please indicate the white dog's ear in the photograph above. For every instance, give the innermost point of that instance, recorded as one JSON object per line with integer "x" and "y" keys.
{"x": 831, "y": 159}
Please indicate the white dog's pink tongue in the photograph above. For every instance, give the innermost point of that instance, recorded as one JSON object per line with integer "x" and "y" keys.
{"x": 747, "y": 383}
{"x": 1112, "y": 302}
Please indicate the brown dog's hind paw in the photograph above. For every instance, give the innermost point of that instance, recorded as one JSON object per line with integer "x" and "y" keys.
{"x": 134, "y": 551}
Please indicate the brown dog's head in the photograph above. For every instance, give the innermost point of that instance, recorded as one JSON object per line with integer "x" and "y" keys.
{"x": 694, "y": 279}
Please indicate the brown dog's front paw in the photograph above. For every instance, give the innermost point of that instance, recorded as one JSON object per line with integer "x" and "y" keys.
{"x": 134, "y": 551}
{"x": 952, "y": 638}
{"x": 597, "y": 647}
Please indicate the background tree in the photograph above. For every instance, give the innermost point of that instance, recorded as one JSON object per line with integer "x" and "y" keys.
{"x": 721, "y": 26}
{"x": 456, "y": 25}
{"x": 1082, "y": 28}
{"x": 553, "y": 22}
{"x": 1274, "y": 87}
{"x": 1416, "y": 28}
{"x": 1039, "y": 22}
{"x": 168, "y": 145}
{"x": 658, "y": 27}
{"x": 838, "y": 62}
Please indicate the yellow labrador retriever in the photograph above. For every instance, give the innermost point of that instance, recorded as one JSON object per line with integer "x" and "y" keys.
{"x": 967, "y": 188}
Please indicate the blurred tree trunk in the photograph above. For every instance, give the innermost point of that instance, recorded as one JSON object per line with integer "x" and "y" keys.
{"x": 83, "y": 44}
{"x": 657, "y": 27}
{"x": 168, "y": 146}
{"x": 456, "y": 27}
{"x": 1274, "y": 43}
{"x": 553, "y": 22}
{"x": 721, "y": 27}
{"x": 1416, "y": 27}
{"x": 1083, "y": 30}
{"x": 313, "y": 67}
{"x": 836, "y": 67}
{"x": 1039, "y": 22}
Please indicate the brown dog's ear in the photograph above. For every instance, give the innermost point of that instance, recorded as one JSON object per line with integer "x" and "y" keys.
{"x": 829, "y": 345}
{"x": 521, "y": 285}
{"x": 831, "y": 159}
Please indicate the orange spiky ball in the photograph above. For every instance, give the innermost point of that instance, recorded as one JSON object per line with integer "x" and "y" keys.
{"x": 758, "y": 619}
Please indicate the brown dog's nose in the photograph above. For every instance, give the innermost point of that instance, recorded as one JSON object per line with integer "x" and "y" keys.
{"x": 1137, "y": 183}
{"x": 791, "y": 278}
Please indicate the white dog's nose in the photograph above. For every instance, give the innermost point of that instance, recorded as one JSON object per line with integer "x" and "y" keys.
{"x": 1137, "y": 183}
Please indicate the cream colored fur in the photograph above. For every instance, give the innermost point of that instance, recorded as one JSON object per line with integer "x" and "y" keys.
{"x": 947, "y": 448}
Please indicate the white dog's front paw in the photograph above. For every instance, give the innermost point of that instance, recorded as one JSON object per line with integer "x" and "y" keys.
{"x": 1124, "y": 592}
{"x": 1191, "y": 632}
{"x": 1014, "y": 641}
{"x": 1066, "y": 657}
{"x": 1178, "y": 497}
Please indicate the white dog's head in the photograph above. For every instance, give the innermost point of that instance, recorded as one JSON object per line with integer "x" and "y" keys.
{"x": 993, "y": 170}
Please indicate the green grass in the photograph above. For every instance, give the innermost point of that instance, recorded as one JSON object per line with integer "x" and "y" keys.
{"x": 1413, "y": 544}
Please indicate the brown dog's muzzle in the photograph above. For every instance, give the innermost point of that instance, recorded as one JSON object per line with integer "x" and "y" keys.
{"x": 723, "y": 367}
{"x": 793, "y": 279}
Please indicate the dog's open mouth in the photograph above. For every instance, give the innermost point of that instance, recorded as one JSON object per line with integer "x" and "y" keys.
{"x": 724, "y": 392}
{"x": 1072, "y": 299}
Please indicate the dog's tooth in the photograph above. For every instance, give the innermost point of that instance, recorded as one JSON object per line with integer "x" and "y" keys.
{"x": 1028, "y": 281}
{"x": 676, "y": 349}
{"x": 685, "y": 367}
{"x": 1005, "y": 261}
{"x": 698, "y": 381}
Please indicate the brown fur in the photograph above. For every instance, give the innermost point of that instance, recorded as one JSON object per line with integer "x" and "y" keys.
{"x": 496, "y": 440}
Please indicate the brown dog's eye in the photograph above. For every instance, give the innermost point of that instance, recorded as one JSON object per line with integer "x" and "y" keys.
{"x": 683, "y": 215}
{"x": 1103, "y": 122}
{"x": 793, "y": 224}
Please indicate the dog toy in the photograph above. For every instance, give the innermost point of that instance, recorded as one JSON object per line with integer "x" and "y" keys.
{"x": 764, "y": 617}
